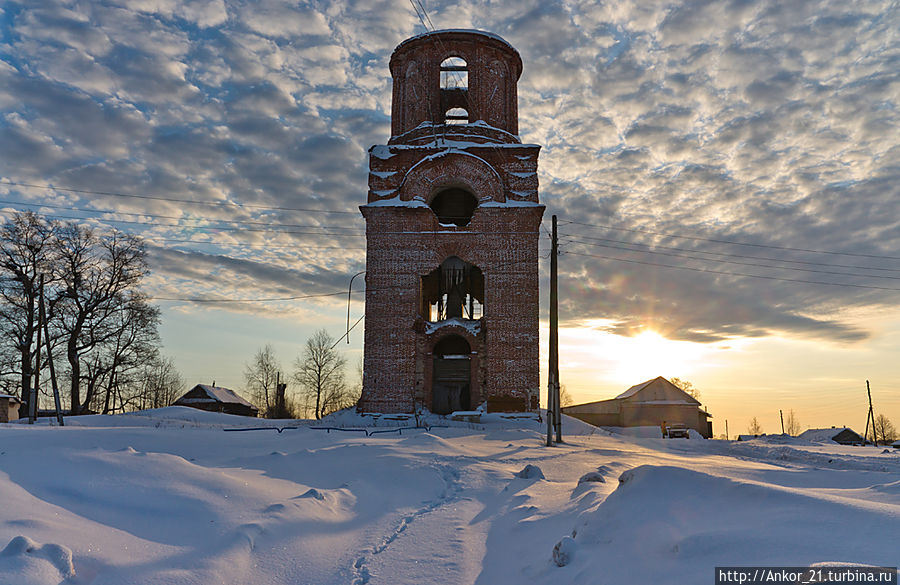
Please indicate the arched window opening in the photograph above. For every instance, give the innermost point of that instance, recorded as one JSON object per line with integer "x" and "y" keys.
{"x": 453, "y": 290}
{"x": 454, "y": 73}
{"x": 456, "y": 116}
{"x": 454, "y": 206}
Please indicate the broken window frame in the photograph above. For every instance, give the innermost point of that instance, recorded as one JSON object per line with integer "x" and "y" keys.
{"x": 455, "y": 289}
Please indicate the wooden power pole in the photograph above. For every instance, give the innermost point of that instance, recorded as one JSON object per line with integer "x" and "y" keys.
{"x": 781, "y": 414}
{"x": 553, "y": 415}
{"x": 870, "y": 417}
{"x": 42, "y": 317}
{"x": 33, "y": 394}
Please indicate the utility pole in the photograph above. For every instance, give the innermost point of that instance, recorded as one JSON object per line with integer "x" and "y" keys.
{"x": 871, "y": 417}
{"x": 781, "y": 414}
{"x": 554, "y": 331}
{"x": 33, "y": 393}
{"x": 553, "y": 417}
{"x": 726, "y": 429}
{"x": 42, "y": 316}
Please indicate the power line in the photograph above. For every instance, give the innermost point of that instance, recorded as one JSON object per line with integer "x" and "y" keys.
{"x": 433, "y": 231}
{"x": 737, "y": 262}
{"x": 258, "y": 300}
{"x": 581, "y": 239}
{"x": 172, "y": 217}
{"x": 655, "y": 233}
{"x": 172, "y": 199}
{"x": 211, "y": 227}
{"x": 710, "y": 271}
{"x": 296, "y": 297}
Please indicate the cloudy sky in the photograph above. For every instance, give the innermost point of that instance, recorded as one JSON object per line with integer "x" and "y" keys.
{"x": 725, "y": 175}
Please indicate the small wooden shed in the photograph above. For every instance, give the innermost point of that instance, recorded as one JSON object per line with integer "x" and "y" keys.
{"x": 216, "y": 399}
{"x": 9, "y": 408}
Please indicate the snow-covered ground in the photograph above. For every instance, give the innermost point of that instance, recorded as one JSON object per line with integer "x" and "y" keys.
{"x": 170, "y": 497}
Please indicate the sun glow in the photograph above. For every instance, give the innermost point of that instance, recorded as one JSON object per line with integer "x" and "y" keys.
{"x": 649, "y": 354}
{"x": 593, "y": 358}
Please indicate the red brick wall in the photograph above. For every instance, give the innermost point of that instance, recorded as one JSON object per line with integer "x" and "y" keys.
{"x": 405, "y": 241}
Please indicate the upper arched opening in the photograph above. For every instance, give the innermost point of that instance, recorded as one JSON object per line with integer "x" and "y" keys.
{"x": 454, "y": 206}
{"x": 454, "y": 73}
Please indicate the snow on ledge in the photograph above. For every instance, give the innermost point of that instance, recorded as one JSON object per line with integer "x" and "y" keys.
{"x": 473, "y": 326}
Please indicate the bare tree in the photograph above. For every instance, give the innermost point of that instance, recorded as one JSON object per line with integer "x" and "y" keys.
{"x": 158, "y": 384}
{"x": 133, "y": 342}
{"x": 884, "y": 429}
{"x": 687, "y": 387}
{"x": 792, "y": 424}
{"x": 26, "y": 253}
{"x": 754, "y": 427}
{"x": 261, "y": 376}
{"x": 319, "y": 371}
{"x": 565, "y": 399}
{"x": 99, "y": 276}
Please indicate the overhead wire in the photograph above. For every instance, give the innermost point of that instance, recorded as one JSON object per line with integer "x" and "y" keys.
{"x": 587, "y": 241}
{"x": 732, "y": 242}
{"x": 723, "y": 272}
{"x": 740, "y": 263}
{"x": 173, "y": 199}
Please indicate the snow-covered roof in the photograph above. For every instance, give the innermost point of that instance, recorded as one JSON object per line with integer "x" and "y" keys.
{"x": 823, "y": 435}
{"x": 658, "y": 389}
{"x": 634, "y": 389}
{"x": 217, "y": 394}
{"x": 459, "y": 30}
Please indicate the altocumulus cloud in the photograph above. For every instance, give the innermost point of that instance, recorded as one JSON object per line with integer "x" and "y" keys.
{"x": 669, "y": 130}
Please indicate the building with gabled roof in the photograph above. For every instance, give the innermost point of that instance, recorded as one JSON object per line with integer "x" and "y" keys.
{"x": 649, "y": 403}
{"x": 216, "y": 399}
{"x": 840, "y": 435}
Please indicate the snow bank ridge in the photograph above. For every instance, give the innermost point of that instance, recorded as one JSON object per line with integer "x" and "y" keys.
{"x": 24, "y": 557}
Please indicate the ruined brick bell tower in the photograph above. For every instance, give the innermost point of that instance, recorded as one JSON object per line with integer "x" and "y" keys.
{"x": 452, "y": 228}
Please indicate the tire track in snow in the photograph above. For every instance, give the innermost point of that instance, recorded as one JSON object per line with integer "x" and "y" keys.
{"x": 452, "y": 488}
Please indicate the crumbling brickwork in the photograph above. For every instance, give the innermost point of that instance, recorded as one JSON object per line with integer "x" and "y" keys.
{"x": 452, "y": 223}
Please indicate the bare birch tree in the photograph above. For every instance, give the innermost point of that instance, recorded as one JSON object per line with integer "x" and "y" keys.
{"x": 261, "y": 376}
{"x": 754, "y": 428}
{"x": 792, "y": 424}
{"x": 319, "y": 371}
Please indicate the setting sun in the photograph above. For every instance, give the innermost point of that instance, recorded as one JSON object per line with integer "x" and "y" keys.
{"x": 649, "y": 354}
{"x": 600, "y": 364}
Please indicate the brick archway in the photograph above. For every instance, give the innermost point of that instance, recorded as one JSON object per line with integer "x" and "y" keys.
{"x": 475, "y": 394}
{"x": 452, "y": 169}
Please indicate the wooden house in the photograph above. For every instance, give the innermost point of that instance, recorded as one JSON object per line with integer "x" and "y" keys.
{"x": 216, "y": 399}
{"x": 650, "y": 403}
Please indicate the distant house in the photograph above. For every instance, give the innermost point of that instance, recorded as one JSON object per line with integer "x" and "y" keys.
{"x": 647, "y": 404}
{"x": 9, "y": 408}
{"x": 216, "y": 399}
{"x": 840, "y": 435}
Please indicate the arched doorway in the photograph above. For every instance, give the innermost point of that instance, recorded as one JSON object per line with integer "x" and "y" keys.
{"x": 450, "y": 388}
